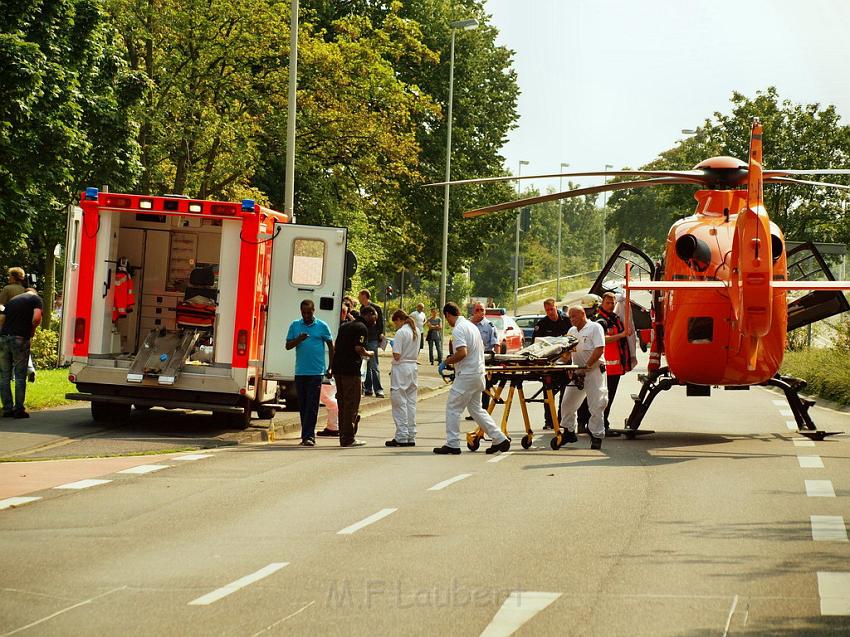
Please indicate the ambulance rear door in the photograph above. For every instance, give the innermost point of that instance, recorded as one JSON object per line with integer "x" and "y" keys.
{"x": 308, "y": 262}
{"x": 70, "y": 281}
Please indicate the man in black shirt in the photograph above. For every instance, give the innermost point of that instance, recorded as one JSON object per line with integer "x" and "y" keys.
{"x": 349, "y": 352}
{"x": 18, "y": 321}
{"x": 373, "y": 342}
{"x": 553, "y": 324}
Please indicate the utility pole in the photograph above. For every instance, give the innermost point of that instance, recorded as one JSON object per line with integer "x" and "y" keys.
{"x": 560, "y": 223}
{"x": 605, "y": 222}
{"x": 522, "y": 163}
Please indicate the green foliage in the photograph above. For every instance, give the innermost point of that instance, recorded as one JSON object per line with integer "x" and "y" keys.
{"x": 825, "y": 370}
{"x": 44, "y": 348}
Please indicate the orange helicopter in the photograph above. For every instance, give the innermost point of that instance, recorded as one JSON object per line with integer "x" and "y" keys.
{"x": 718, "y": 308}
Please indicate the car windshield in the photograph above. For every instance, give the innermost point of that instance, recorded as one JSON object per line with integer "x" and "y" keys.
{"x": 526, "y": 321}
{"x": 497, "y": 321}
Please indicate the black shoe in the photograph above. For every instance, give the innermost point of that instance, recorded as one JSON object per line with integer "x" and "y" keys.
{"x": 354, "y": 443}
{"x": 394, "y": 443}
{"x": 380, "y": 394}
{"x": 568, "y": 436}
{"x": 612, "y": 433}
{"x": 582, "y": 427}
{"x": 367, "y": 393}
{"x": 445, "y": 450}
{"x": 469, "y": 418}
{"x": 595, "y": 443}
{"x": 308, "y": 442}
{"x": 328, "y": 432}
{"x": 409, "y": 443}
{"x": 20, "y": 413}
{"x": 31, "y": 377}
{"x": 505, "y": 445}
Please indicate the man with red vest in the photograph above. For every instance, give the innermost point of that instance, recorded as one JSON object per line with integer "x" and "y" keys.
{"x": 618, "y": 356}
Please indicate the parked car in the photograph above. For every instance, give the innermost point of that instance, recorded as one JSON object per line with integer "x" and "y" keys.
{"x": 509, "y": 333}
{"x": 526, "y": 323}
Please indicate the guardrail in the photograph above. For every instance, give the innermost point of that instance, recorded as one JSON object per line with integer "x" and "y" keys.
{"x": 525, "y": 290}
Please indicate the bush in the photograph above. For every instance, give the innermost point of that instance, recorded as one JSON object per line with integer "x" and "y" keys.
{"x": 44, "y": 348}
{"x": 825, "y": 370}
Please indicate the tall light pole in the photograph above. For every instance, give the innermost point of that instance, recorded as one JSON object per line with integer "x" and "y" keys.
{"x": 459, "y": 24}
{"x": 560, "y": 223}
{"x": 289, "y": 181}
{"x": 604, "y": 221}
{"x": 522, "y": 163}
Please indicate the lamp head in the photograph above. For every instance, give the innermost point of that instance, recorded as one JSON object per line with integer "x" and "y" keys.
{"x": 464, "y": 25}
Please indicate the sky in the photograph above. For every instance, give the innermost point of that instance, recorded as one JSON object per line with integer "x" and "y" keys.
{"x": 615, "y": 81}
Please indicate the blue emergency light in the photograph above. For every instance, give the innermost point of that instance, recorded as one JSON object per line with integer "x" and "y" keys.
{"x": 91, "y": 194}
{"x": 247, "y": 205}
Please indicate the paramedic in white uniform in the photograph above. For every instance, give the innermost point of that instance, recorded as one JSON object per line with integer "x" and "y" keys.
{"x": 403, "y": 380}
{"x": 465, "y": 394}
{"x": 588, "y": 354}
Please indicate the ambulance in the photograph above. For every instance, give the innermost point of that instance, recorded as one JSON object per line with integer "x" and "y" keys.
{"x": 185, "y": 304}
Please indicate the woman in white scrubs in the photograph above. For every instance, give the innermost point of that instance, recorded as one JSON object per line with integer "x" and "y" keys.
{"x": 404, "y": 377}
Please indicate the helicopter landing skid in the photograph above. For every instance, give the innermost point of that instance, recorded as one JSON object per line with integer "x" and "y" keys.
{"x": 799, "y": 406}
{"x": 653, "y": 384}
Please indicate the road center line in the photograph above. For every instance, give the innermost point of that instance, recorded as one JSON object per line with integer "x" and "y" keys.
{"x": 17, "y": 501}
{"x": 145, "y": 468}
{"x": 82, "y": 484}
{"x": 731, "y": 614}
{"x": 242, "y": 582}
{"x": 828, "y": 528}
{"x": 501, "y": 456}
{"x": 810, "y": 462}
{"x": 517, "y": 609}
{"x": 366, "y": 522}
{"x": 442, "y": 485}
{"x": 64, "y": 610}
{"x": 834, "y": 591}
{"x": 786, "y": 412}
{"x": 804, "y": 443}
{"x": 819, "y": 489}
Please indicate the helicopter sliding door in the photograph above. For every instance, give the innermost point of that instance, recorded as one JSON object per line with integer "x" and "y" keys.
{"x": 612, "y": 278}
{"x": 805, "y": 263}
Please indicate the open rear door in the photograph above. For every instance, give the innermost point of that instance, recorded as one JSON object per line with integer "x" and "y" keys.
{"x": 805, "y": 263}
{"x": 69, "y": 282}
{"x": 612, "y": 278}
{"x": 308, "y": 263}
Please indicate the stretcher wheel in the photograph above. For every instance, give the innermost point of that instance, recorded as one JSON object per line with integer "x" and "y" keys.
{"x": 473, "y": 443}
{"x": 554, "y": 444}
{"x": 525, "y": 442}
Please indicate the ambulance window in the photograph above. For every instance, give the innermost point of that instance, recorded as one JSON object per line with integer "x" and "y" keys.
{"x": 308, "y": 261}
{"x": 700, "y": 329}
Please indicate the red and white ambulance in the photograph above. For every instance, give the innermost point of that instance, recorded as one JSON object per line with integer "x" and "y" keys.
{"x": 184, "y": 303}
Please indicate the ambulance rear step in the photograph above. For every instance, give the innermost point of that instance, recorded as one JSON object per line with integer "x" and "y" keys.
{"x": 162, "y": 355}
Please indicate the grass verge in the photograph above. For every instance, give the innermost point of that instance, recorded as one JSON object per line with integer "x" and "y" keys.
{"x": 49, "y": 389}
{"x": 825, "y": 370}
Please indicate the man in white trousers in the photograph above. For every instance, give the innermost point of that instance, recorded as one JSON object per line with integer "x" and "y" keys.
{"x": 587, "y": 354}
{"x": 465, "y": 394}
{"x": 404, "y": 380}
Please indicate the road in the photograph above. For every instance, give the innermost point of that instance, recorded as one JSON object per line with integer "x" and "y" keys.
{"x": 722, "y": 522}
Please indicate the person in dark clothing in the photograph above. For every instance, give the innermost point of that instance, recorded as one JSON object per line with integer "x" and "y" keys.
{"x": 553, "y": 324}
{"x": 349, "y": 352}
{"x": 374, "y": 342}
{"x": 20, "y": 316}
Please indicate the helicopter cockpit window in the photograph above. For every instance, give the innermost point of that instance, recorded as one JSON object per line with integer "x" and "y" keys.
{"x": 700, "y": 329}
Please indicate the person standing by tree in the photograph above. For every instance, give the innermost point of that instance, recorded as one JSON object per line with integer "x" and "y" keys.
{"x": 15, "y": 286}
{"x": 404, "y": 380}
{"x": 309, "y": 335}
{"x": 20, "y": 316}
{"x": 435, "y": 336}
{"x": 373, "y": 344}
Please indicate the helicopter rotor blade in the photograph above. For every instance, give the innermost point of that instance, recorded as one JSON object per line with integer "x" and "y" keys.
{"x": 803, "y": 182}
{"x": 695, "y": 174}
{"x": 578, "y": 192}
{"x": 779, "y": 172}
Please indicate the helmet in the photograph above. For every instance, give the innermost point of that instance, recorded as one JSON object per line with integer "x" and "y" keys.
{"x": 590, "y": 301}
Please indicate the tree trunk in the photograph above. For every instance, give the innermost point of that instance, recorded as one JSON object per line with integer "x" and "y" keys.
{"x": 49, "y": 292}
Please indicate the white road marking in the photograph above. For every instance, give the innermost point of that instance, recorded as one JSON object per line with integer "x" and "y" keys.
{"x": 280, "y": 621}
{"x": 780, "y": 403}
{"x": 828, "y": 528}
{"x": 804, "y": 443}
{"x": 64, "y": 610}
{"x": 366, "y": 522}
{"x": 501, "y": 456}
{"x": 194, "y": 456}
{"x": 8, "y": 503}
{"x": 834, "y": 591}
{"x": 810, "y": 462}
{"x": 786, "y": 412}
{"x": 792, "y": 425}
{"x": 517, "y": 609}
{"x": 819, "y": 489}
{"x": 82, "y": 484}
{"x": 145, "y": 468}
{"x": 242, "y": 582}
{"x": 731, "y": 613}
{"x": 442, "y": 485}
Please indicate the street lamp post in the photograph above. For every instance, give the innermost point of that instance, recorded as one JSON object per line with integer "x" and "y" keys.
{"x": 605, "y": 221}
{"x": 522, "y": 163}
{"x": 459, "y": 24}
{"x": 560, "y": 223}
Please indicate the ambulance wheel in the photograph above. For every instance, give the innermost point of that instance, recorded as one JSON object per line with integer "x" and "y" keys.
{"x": 264, "y": 412}
{"x": 109, "y": 413}
{"x": 236, "y": 420}
{"x": 525, "y": 442}
{"x": 473, "y": 444}
{"x": 554, "y": 443}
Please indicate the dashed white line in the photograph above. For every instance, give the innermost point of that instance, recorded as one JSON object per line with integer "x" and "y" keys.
{"x": 517, "y": 609}
{"x": 804, "y": 443}
{"x": 442, "y": 485}
{"x": 83, "y": 484}
{"x": 17, "y": 501}
{"x": 810, "y": 462}
{"x": 242, "y": 582}
{"x": 367, "y": 521}
{"x": 731, "y": 614}
{"x": 819, "y": 489}
{"x": 786, "y": 412}
{"x": 145, "y": 468}
{"x": 194, "y": 456}
{"x": 792, "y": 425}
{"x": 64, "y": 610}
{"x": 780, "y": 403}
{"x": 834, "y": 592}
{"x": 828, "y": 528}
{"x": 501, "y": 456}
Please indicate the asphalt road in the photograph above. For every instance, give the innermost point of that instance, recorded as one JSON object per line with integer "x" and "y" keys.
{"x": 703, "y": 528}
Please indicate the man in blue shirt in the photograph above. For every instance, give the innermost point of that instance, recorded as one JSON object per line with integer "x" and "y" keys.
{"x": 308, "y": 336}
